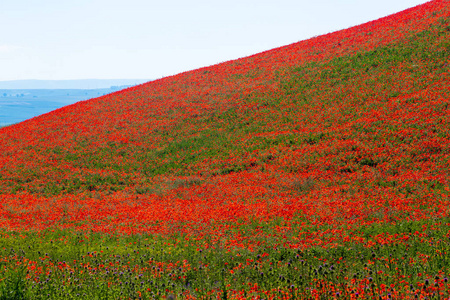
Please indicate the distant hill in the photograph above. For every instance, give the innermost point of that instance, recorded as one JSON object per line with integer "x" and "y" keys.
{"x": 69, "y": 84}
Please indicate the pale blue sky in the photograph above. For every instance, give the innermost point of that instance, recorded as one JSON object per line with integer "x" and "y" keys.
{"x": 78, "y": 39}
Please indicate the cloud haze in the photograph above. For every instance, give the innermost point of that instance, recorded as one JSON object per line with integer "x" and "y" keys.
{"x": 9, "y": 48}
{"x": 151, "y": 39}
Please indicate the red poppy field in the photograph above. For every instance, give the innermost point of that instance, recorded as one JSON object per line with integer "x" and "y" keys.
{"x": 317, "y": 170}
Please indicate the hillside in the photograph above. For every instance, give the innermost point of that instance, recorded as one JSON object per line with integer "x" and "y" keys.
{"x": 317, "y": 169}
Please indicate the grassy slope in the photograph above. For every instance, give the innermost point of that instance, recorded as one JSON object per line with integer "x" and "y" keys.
{"x": 316, "y": 152}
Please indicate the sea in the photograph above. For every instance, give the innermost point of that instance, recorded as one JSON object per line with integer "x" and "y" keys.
{"x": 20, "y": 105}
{"x": 15, "y": 111}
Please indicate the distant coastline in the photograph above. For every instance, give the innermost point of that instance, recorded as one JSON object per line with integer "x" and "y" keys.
{"x": 24, "y": 99}
{"x": 84, "y": 84}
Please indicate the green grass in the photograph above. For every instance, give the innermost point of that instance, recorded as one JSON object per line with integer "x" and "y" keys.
{"x": 269, "y": 266}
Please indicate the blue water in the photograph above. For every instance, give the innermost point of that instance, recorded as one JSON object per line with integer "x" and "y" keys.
{"x": 19, "y": 105}
{"x": 17, "y": 111}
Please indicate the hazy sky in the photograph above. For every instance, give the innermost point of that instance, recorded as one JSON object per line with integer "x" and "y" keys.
{"x": 78, "y": 39}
